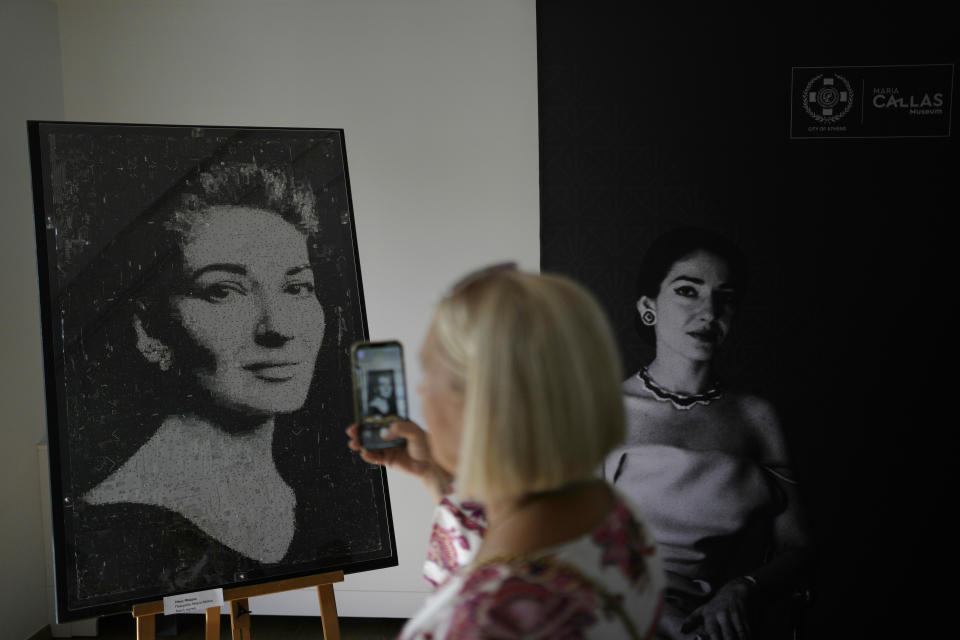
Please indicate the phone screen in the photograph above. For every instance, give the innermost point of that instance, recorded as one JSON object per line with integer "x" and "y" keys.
{"x": 380, "y": 390}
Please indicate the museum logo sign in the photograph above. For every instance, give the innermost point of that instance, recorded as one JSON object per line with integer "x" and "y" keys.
{"x": 901, "y": 101}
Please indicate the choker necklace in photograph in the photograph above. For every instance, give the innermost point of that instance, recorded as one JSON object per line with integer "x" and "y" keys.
{"x": 680, "y": 401}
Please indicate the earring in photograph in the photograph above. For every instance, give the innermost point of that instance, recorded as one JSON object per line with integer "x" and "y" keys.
{"x": 157, "y": 352}
{"x": 648, "y": 318}
{"x": 164, "y": 359}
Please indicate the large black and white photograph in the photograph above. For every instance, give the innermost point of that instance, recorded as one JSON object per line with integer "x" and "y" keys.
{"x": 707, "y": 460}
{"x": 202, "y": 290}
{"x": 738, "y": 265}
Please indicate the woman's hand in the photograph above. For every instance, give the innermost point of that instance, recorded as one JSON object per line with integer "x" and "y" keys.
{"x": 724, "y": 616}
{"x": 414, "y": 458}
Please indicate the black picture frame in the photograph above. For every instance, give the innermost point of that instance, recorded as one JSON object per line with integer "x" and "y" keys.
{"x": 106, "y": 200}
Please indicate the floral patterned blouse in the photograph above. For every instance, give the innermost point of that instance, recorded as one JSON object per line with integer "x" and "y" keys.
{"x": 607, "y": 584}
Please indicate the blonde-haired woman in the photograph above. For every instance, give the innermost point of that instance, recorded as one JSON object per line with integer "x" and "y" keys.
{"x": 521, "y": 398}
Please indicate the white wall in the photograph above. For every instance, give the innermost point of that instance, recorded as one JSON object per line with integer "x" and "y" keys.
{"x": 30, "y": 87}
{"x": 438, "y": 100}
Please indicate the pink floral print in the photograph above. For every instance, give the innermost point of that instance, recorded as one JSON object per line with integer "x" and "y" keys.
{"x": 623, "y": 543}
{"x": 524, "y": 605}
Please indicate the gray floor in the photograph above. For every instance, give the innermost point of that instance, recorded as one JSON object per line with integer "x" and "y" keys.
{"x": 191, "y": 627}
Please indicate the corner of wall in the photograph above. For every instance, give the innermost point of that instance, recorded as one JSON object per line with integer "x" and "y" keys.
{"x": 30, "y": 72}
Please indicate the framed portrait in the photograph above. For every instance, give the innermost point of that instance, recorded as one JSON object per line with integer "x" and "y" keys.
{"x": 200, "y": 290}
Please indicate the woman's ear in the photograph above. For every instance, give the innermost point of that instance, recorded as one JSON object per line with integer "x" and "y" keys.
{"x": 647, "y": 308}
{"x": 152, "y": 349}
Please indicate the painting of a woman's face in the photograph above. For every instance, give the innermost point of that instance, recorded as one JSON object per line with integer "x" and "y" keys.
{"x": 249, "y": 304}
{"x": 694, "y": 306}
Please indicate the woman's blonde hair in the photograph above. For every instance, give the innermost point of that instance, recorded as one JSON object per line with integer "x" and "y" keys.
{"x": 535, "y": 359}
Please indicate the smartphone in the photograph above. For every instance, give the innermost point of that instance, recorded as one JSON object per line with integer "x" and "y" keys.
{"x": 379, "y": 390}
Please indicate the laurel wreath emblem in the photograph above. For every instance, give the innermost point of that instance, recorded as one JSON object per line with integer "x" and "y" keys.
{"x": 819, "y": 117}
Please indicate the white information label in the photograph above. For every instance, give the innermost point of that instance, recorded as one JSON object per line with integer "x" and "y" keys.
{"x": 196, "y": 602}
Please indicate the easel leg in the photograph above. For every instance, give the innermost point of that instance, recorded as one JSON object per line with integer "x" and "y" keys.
{"x": 146, "y": 628}
{"x": 240, "y": 619}
{"x": 328, "y": 612}
{"x": 213, "y": 623}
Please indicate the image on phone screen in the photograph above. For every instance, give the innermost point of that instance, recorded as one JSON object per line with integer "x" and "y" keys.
{"x": 380, "y": 390}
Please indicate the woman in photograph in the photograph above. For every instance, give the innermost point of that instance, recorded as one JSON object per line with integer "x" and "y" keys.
{"x": 228, "y": 325}
{"x": 382, "y": 401}
{"x": 521, "y": 401}
{"x": 707, "y": 467}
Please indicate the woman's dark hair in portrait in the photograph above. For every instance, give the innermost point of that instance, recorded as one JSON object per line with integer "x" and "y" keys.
{"x": 675, "y": 245}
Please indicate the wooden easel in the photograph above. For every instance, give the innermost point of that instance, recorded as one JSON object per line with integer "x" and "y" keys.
{"x": 240, "y": 610}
